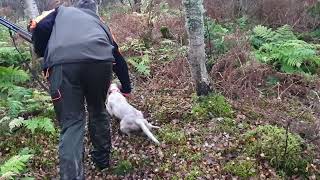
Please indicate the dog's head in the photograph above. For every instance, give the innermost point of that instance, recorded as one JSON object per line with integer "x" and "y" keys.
{"x": 113, "y": 88}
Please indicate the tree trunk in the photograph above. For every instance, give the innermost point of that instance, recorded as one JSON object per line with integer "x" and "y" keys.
{"x": 196, "y": 56}
{"x": 31, "y": 9}
{"x": 137, "y": 6}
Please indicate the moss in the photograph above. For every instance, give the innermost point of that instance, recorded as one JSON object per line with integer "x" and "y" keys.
{"x": 184, "y": 152}
{"x": 269, "y": 142}
{"x": 227, "y": 125}
{"x": 123, "y": 167}
{"x": 213, "y": 105}
{"x": 167, "y": 166}
{"x": 241, "y": 168}
{"x": 194, "y": 173}
{"x": 172, "y": 135}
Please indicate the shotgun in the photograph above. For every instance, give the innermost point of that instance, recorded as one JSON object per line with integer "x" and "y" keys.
{"x": 19, "y": 30}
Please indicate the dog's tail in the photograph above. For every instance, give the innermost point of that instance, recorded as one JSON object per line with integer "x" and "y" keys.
{"x": 147, "y": 131}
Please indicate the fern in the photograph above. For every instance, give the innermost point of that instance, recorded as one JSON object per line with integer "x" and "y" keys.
{"x": 16, "y": 123}
{"x": 282, "y": 49}
{"x": 10, "y": 56}
{"x": 141, "y": 64}
{"x": 4, "y": 34}
{"x": 10, "y": 76}
{"x": 216, "y": 33}
{"x": 283, "y": 34}
{"x": 15, "y": 107}
{"x": 14, "y": 166}
{"x": 40, "y": 124}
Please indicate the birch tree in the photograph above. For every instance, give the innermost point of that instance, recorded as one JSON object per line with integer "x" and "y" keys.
{"x": 196, "y": 54}
{"x": 31, "y": 8}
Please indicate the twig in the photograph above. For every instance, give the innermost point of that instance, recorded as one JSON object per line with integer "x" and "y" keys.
{"x": 316, "y": 95}
{"x": 287, "y": 133}
{"x": 280, "y": 94}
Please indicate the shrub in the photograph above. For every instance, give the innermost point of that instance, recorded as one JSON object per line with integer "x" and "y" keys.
{"x": 282, "y": 49}
{"x": 211, "y": 106}
{"x": 283, "y": 151}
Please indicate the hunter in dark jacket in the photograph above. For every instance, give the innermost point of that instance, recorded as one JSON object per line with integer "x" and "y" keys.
{"x": 79, "y": 57}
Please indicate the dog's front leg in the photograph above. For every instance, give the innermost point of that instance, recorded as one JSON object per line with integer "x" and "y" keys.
{"x": 125, "y": 130}
{"x": 109, "y": 109}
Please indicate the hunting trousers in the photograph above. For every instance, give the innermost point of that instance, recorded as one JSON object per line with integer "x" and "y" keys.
{"x": 70, "y": 86}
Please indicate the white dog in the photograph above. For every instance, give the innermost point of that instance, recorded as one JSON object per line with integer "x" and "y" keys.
{"x": 130, "y": 118}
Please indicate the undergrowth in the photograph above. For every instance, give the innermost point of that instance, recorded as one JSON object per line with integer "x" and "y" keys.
{"x": 242, "y": 168}
{"x": 282, "y": 49}
{"x": 284, "y": 150}
{"x": 13, "y": 167}
{"x": 211, "y": 106}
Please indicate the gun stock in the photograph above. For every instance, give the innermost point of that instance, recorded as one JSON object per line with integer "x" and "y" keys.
{"x": 25, "y": 36}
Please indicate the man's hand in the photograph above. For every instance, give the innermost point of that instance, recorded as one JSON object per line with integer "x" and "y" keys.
{"x": 127, "y": 95}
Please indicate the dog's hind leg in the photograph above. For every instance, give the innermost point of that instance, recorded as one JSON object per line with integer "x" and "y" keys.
{"x": 149, "y": 125}
{"x": 124, "y": 128}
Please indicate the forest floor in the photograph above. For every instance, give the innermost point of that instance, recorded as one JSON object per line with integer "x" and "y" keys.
{"x": 190, "y": 148}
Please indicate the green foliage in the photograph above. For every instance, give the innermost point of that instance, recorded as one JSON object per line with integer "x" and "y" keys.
{"x": 172, "y": 135}
{"x": 215, "y": 33}
{"x": 15, "y": 107}
{"x": 227, "y": 125}
{"x": 269, "y": 142}
{"x": 27, "y": 101}
{"x": 9, "y": 56}
{"x": 4, "y": 35}
{"x": 39, "y": 101}
{"x": 135, "y": 45}
{"x": 282, "y": 49}
{"x": 213, "y": 105}
{"x": 10, "y": 76}
{"x": 170, "y": 50}
{"x": 141, "y": 64}
{"x": 123, "y": 168}
{"x": 15, "y": 165}
{"x": 36, "y": 124}
{"x": 40, "y": 124}
{"x": 194, "y": 173}
{"x": 16, "y": 123}
{"x": 242, "y": 22}
{"x": 241, "y": 168}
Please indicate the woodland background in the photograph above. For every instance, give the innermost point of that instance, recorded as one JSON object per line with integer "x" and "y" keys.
{"x": 261, "y": 121}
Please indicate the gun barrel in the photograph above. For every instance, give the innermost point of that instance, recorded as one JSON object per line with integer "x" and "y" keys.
{"x": 23, "y": 33}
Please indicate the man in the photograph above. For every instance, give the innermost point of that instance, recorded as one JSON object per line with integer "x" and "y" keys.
{"x": 79, "y": 55}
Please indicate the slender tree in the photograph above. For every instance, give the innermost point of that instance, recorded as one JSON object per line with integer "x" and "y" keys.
{"x": 31, "y": 8}
{"x": 196, "y": 56}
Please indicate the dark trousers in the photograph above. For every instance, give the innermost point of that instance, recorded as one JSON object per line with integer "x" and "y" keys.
{"x": 70, "y": 86}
